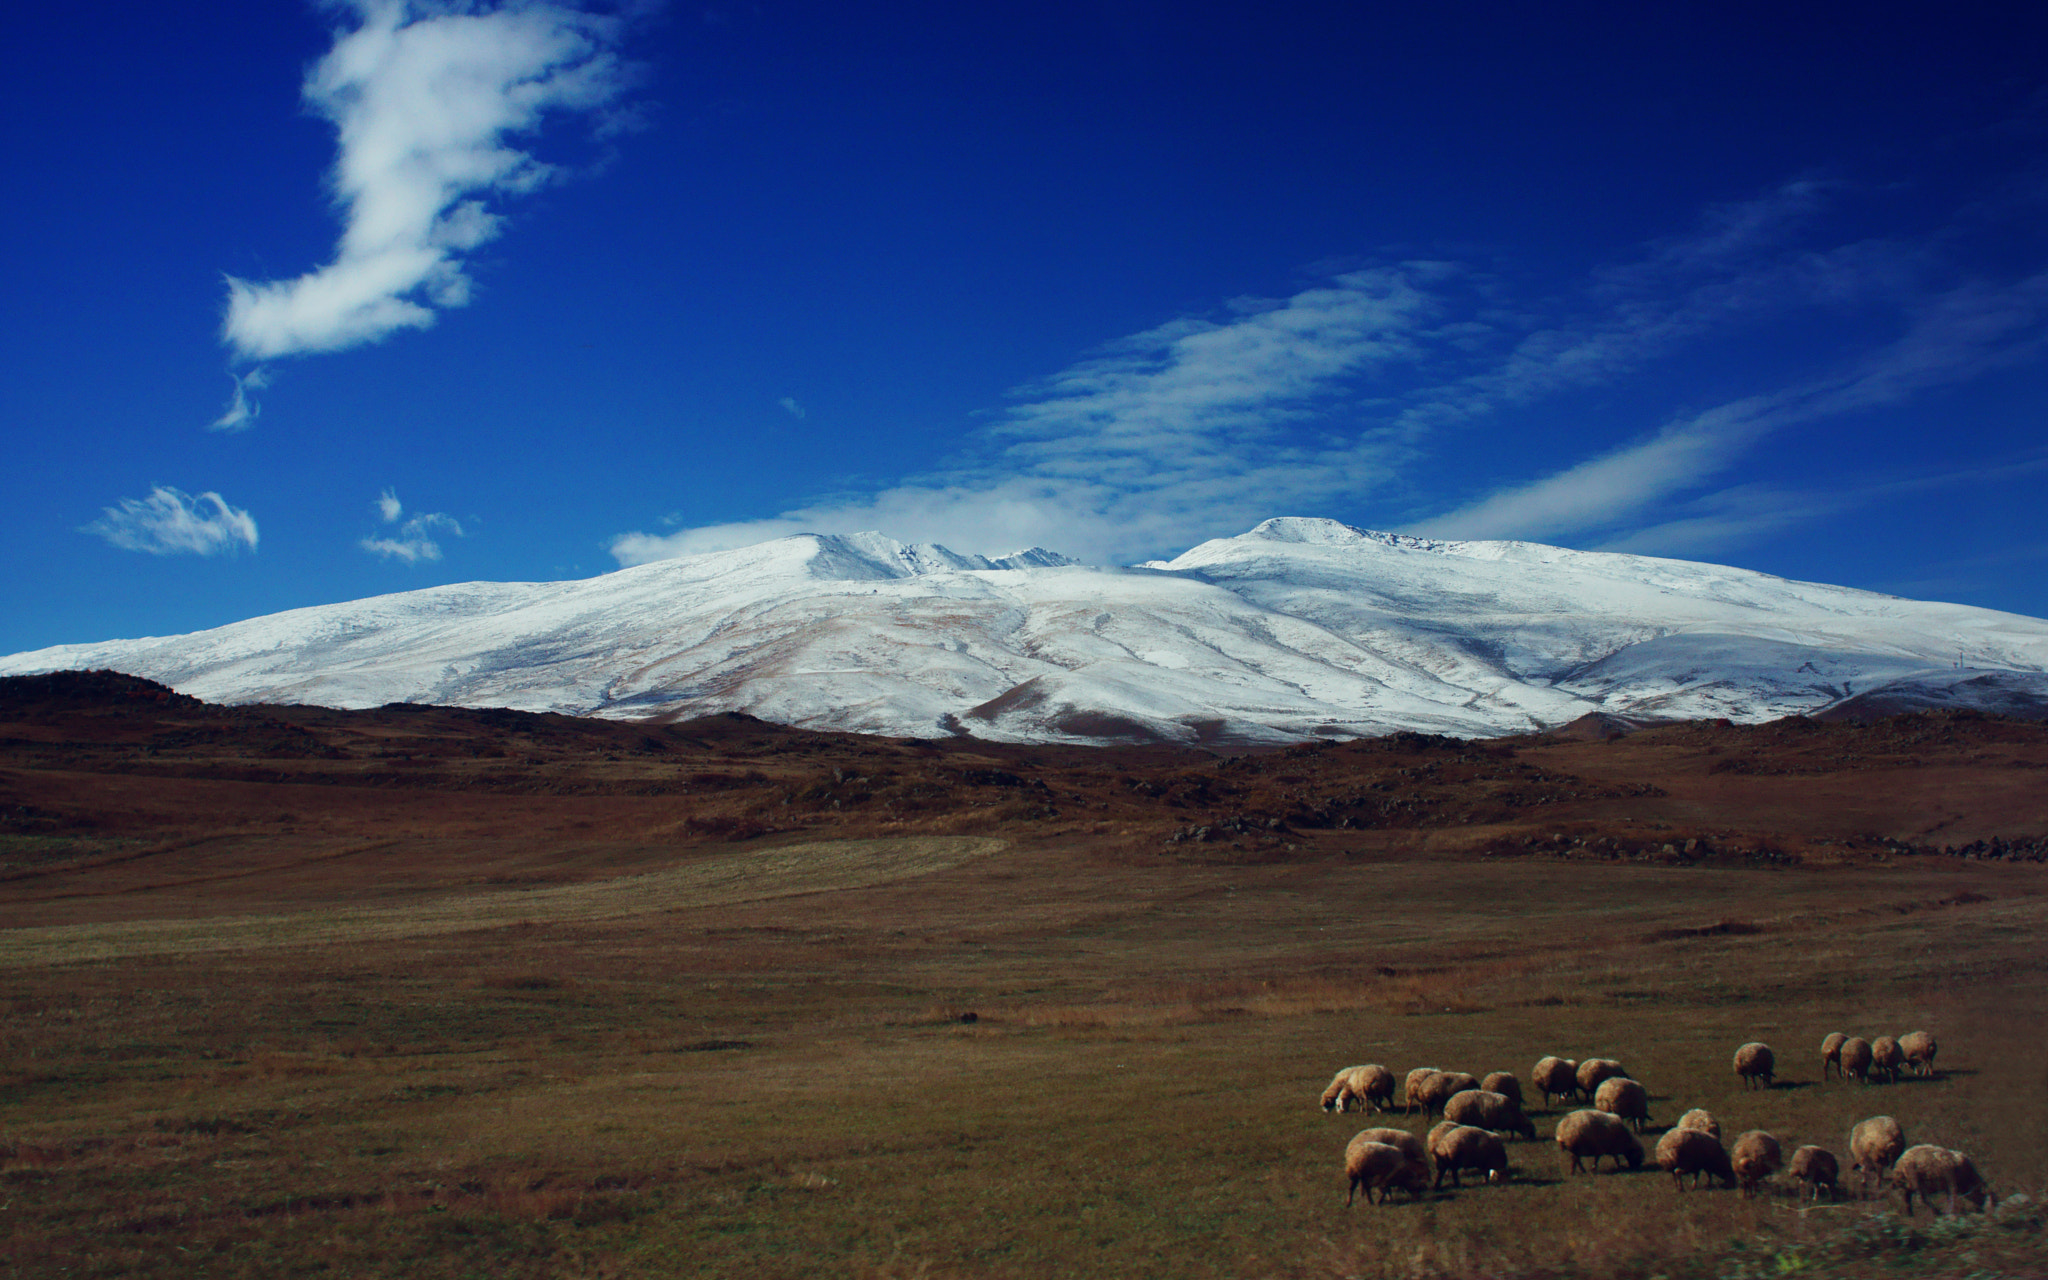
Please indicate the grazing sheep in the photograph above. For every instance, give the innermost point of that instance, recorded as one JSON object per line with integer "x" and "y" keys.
{"x": 1625, "y": 1099}
{"x": 1371, "y": 1086}
{"x": 1817, "y": 1168}
{"x": 1461, "y": 1146}
{"x": 1439, "y": 1087}
{"x": 1919, "y": 1048}
{"x": 1594, "y": 1134}
{"x": 1381, "y": 1166}
{"x": 1854, "y": 1059}
{"x": 1415, "y": 1147}
{"x": 1873, "y": 1145}
{"x": 1755, "y": 1063}
{"x": 1931, "y": 1170}
{"x": 1757, "y": 1156}
{"x": 1505, "y": 1083}
{"x": 1410, "y": 1088}
{"x": 1681, "y": 1151}
{"x": 1594, "y": 1070}
{"x": 1831, "y": 1053}
{"x": 1483, "y": 1109}
{"x": 1702, "y": 1121}
{"x": 1556, "y": 1077}
{"x": 1886, "y": 1058}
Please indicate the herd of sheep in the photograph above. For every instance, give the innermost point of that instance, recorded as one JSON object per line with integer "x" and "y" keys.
{"x": 1480, "y": 1114}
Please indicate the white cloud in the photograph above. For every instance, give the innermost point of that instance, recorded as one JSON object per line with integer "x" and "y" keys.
{"x": 172, "y": 522}
{"x": 416, "y": 539}
{"x": 241, "y": 412}
{"x": 791, "y": 407}
{"x": 423, "y": 97}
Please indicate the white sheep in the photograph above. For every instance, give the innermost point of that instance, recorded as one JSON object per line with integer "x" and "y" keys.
{"x": 1371, "y": 1086}
{"x": 1831, "y": 1053}
{"x": 1817, "y": 1168}
{"x": 1624, "y": 1099}
{"x": 1701, "y": 1120}
{"x": 1506, "y": 1084}
{"x": 1684, "y": 1151}
{"x": 1556, "y": 1077}
{"x": 1756, "y": 1156}
{"x": 1484, "y": 1109}
{"x": 1595, "y": 1134}
{"x": 1930, "y": 1170}
{"x": 1919, "y": 1048}
{"x": 1379, "y": 1166}
{"x": 1756, "y": 1064}
{"x": 1854, "y": 1059}
{"x": 1461, "y": 1146}
{"x": 1873, "y": 1145}
{"x": 1594, "y": 1070}
{"x": 1886, "y": 1058}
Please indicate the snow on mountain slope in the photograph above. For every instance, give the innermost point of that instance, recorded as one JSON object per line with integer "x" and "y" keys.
{"x": 1300, "y": 627}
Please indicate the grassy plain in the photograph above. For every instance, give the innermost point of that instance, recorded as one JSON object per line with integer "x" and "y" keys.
{"x": 442, "y": 1029}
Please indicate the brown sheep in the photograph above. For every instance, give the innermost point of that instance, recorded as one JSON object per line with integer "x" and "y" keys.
{"x": 1624, "y": 1099}
{"x": 1755, "y": 1063}
{"x": 1682, "y": 1151}
{"x": 1338, "y": 1096}
{"x": 1382, "y": 1167}
{"x": 1831, "y": 1053}
{"x": 1855, "y": 1059}
{"x": 1703, "y": 1121}
{"x": 1919, "y": 1048}
{"x": 1589, "y": 1133}
{"x": 1757, "y": 1156}
{"x": 1594, "y": 1070}
{"x": 1408, "y": 1142}
{"x": 1461, "y": 1146}
{"x": 1873, "y": 1145}
{"x": 1817, "y": 1168}
{"x": 1483, "y": 1109}
{"x": 1930, "y": 1170}
{"x": 1506, "y": 1084}
{"x": 1556, "y": 1077}
{"x": 1439, "y": 1087}
{"x": 1886, "y": 1058}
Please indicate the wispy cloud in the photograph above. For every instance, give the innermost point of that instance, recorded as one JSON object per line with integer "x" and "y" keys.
{"x": 1327, "y": 400}
{"x": 416, "y": 538}
{"x": 241, "y": 412}
{"x": 791, "y": 407}
{"x": 172, "y": 522}
{"x": 423, "y": 96}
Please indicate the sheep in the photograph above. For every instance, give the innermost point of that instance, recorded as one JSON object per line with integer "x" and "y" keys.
{"x": 1873, "y": 1145}
{"x": 1919, "y": 1048}
{"x": 1625, "y": 1099}
{"x": 1817, "y": 1168}
{"x": 1756, "y": 1156}
{"x": 1593, "y": 1070}
{"x": 1755, "y": 1063}
{"x": 1411, "y": 1088}
{"x": 1596, "y": 1134}
{"x": 1506, "y": 1084}
{"x": 1886, "y": 1058}
{"x": 1703, "y": 1121}
{"x": 1371, "y": 1085}
{"x": 1408, "y": 1142}
{"x": 1855, "y": 1059}
{"x": 1484, "y": 1109}
{"x": 1557, "y": 1077}
{"x": 1382, "y": 1166}
{"x": 1438, "y": 1087}
{"x": 1461, "y": 1146}
{"x": 1831, "y": 1053}
{"x": 1928, "y": 1170}
{"x": 1681, "y": 1151}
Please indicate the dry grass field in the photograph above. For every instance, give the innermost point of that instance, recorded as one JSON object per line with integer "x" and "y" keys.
{"x": 433, "y": 993}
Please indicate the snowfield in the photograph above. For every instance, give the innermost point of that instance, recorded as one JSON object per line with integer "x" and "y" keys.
{"x": 1299, "y": 628}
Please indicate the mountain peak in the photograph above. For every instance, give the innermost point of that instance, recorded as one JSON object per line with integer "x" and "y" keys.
{"x": 1322, "y": 531}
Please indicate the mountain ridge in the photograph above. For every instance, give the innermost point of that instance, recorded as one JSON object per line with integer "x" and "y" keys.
{"x": 1301, "y": 627}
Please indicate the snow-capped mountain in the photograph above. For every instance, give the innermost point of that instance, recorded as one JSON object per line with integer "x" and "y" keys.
{"x": 1299, "y": 628}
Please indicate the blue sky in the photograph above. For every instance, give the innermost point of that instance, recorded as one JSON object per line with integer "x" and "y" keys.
{"x": 312, "y": 302}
